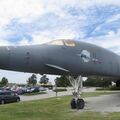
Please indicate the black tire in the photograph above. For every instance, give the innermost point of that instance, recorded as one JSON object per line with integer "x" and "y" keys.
{"x": 80, "y": 104}
{"x": 18, "y": 100}
{"x": 73, "y": 104}
{"x": 2, "y": 102}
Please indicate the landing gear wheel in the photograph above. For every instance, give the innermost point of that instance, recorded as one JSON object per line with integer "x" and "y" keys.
{"x": 80, "y": 104}
{"x": 73, "y": 104}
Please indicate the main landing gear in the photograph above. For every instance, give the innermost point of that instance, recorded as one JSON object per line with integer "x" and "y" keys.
{"x": 77, "y": 102}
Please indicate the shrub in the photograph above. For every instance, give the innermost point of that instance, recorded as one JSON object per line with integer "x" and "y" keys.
{"x": 114, "y": 88}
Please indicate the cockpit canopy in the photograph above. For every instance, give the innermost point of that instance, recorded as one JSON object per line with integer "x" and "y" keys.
{"x": 69, "y": 43}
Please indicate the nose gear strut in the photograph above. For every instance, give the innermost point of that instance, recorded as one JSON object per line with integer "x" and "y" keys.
{"x": 77, "y": 102}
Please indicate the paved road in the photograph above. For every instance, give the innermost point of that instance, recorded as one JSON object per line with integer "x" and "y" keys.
{"x": 43, "y": 96}
{"x": 53, "y": 94}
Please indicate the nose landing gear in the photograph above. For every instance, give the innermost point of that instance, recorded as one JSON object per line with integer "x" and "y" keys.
{"x": 77, "y": 102}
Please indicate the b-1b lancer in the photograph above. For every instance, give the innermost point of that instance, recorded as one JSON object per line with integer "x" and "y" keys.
{"x": 63, "y": 57}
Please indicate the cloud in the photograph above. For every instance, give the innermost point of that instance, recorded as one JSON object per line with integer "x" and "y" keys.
{"x": 4, "y": 43}
{"x": 88, "y": 21}
{"x": 24, "y": 41}
{"x": 38, "y": 21}
{"x": 46, "y": 36}
{"x": 20, "y": 9}
{"x": 113, "y": 18}
{"x": 110, "y": 41}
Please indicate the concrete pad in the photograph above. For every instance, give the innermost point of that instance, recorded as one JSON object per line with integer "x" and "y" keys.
{"x": 103, "y": 103}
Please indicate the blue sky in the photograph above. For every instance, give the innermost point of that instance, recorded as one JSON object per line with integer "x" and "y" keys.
{"x": 38, "y": 21}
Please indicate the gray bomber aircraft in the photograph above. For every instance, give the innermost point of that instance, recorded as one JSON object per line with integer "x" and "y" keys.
{"x": 63, "y": 57}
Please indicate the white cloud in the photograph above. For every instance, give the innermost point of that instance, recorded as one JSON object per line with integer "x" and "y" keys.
{"x": 46, "y": 36}
{"x": 4, "y": 42}
{"x": 83, "y": 4}
{"x": 107, "y": 2}
{"x": 24, "y": 41}
{"x": 41, "y": 37}
{"x": 112, "y": 40}
{"x": 20, "y": 9}
{"x": 28, "y": 10}
{"x": 113, "y": 18}
{"x": 67, "y": 34}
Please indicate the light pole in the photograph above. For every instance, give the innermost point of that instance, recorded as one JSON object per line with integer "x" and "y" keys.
{"x": 56, "y": 89}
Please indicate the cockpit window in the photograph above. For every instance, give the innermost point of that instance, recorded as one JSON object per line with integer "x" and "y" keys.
{"x": 70, "y": 43}
{"x": 56, "y": 42}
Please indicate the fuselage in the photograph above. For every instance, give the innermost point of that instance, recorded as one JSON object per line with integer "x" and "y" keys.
{"x": 78, "y": 58}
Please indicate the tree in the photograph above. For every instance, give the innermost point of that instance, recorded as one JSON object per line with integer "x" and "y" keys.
{"x": 44, "y": 79}
{"x": 32, "y": 80}
{"x": 97, "y": 82}
{"x": 62, "y": 81}
{"x": 4, "y": 81}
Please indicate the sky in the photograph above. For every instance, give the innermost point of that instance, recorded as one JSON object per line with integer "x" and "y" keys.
{"x": 27, "y": 22}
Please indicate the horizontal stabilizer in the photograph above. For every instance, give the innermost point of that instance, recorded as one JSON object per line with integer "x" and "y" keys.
{"x": 57, "y": 67}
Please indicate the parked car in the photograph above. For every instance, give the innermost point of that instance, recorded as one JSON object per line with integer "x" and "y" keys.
{"x": 8, "y": 97}
{"x": 19, "y": 90}
{"x": 1, "y": 88}
{"x": 35, "y": 89}
{"x": 29, "y": 90}
{"x": 42, "y": 89}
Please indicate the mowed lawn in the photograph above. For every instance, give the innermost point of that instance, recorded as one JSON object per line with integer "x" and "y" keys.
{"x": 52, "y": 109}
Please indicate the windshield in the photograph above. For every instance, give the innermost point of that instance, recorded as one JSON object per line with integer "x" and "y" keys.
{"x": 68, "y": 43}
{"x": 56, "y": 42}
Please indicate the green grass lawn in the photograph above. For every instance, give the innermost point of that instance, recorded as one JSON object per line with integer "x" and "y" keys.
{"x": 52, "y": 109}
{"x": 97, "y": 93}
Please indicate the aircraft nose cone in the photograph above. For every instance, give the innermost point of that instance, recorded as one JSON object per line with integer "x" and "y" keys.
{"x": 4, "y": 57}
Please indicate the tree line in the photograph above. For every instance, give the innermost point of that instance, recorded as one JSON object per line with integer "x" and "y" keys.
{"x": 62, "y": 81}
{"x": 97, "y": 82}
{"x": 94, "y": 81}
{"x": 32, "y": 80}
